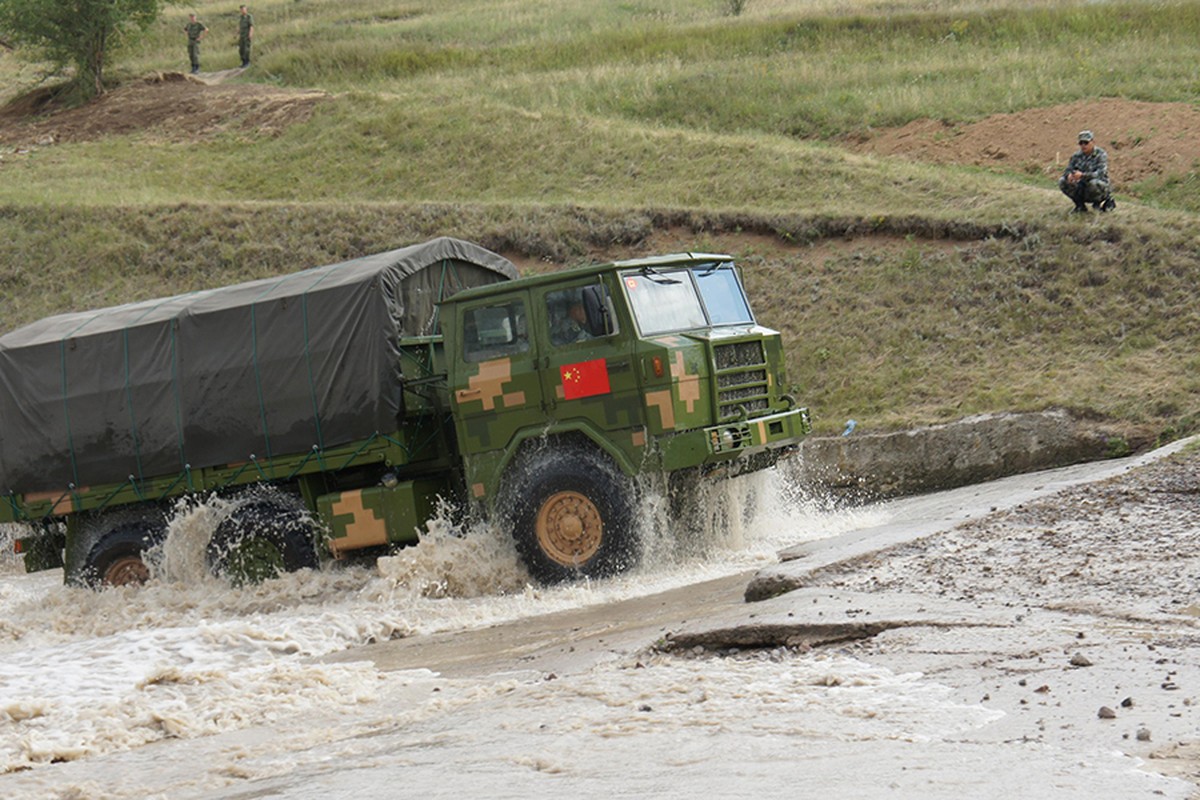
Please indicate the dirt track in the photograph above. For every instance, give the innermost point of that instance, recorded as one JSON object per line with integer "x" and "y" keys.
{"x": 171, "y": 105}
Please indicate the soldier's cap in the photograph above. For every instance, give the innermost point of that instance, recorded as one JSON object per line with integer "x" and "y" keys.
{"x": 1086, "y": 136}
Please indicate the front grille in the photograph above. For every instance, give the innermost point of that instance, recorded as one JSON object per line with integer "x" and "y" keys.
{"x": 739, "y": 354}
{"x": 742, "y": 387}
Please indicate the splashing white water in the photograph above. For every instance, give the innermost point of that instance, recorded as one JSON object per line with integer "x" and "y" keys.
{"x": 187, "y": 655}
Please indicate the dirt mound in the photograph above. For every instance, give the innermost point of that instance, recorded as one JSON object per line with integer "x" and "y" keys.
{"x": 175, "y": 106}
{"x": 1143, "y": 140}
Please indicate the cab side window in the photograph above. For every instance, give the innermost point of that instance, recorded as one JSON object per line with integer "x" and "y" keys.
{"x": 579, "y": 314}
{"x": 495, "y": 331}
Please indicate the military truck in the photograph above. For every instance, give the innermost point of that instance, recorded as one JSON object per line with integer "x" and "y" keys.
{"x": 333, "y": 409}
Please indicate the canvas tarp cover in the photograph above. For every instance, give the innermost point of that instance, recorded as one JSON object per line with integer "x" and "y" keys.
{"x": 271, "y": 367}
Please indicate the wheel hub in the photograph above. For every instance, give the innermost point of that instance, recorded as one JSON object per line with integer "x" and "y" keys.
{"x": 569, "y": 528}
{"x": 125, "y": 571}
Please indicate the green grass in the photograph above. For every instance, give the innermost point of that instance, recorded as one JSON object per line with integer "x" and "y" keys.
{"x": 565, "y": 130}
{"x": 361, "y": 148}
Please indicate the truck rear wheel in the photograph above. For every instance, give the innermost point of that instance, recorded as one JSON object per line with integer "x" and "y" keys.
{"x": 261, "y": 539}
{"x": 571, "y": 515}
{"x": 118, "y": 556}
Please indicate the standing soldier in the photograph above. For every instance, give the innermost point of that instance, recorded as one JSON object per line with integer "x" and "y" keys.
{"x": 245, "y": 35}
{"x": 195, "y": 32}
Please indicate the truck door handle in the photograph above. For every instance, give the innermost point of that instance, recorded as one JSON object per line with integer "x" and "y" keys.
{"x": 619, "y": 366}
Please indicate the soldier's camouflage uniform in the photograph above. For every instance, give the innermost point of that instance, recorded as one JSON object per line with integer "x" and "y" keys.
{"x": 1094, "y": 186}
{"x": 194, "y": 31}
{"x": 245, "y": 23}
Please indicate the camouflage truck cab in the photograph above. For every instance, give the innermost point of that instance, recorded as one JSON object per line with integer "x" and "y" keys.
{"x": 332, "y": 408}
{"x": 565, "y": 387}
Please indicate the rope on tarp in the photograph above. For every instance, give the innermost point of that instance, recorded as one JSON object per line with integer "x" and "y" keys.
{"x": 308, "y": 457}
{"x": 312, "y": 385}
{"x": 117, "y": 491}
{"x": 62, "y": 351}
{"x": 178, "y": 397}
{"x": 449, "y": 267}
{"x": 408, "y": 450}
{"x": 441, "y": 295}
{"x": 18, "y": 512}
{"x": 137, "y": 444}
{"x": 262, "y": 404}
{"x": 137, "y": 441}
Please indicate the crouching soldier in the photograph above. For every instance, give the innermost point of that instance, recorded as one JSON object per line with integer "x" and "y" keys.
{"x": 1085, "y": 180}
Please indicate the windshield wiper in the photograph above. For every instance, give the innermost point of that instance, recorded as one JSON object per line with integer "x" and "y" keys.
{"x": 661, "y": 280}
{"x": 716, "y": 266}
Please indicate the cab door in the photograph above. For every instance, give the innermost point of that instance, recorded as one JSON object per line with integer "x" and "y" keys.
{"x": 495, "y": 387}
{"x": 587, "y": 371}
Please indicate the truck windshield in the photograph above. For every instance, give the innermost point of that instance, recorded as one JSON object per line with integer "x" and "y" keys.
{"x": 668, "y": 300}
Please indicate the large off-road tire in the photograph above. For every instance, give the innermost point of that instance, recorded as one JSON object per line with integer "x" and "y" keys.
{"x": 571, "y": 514}
{"x": 118, "y": 555}
{"x": 261, "y": 539}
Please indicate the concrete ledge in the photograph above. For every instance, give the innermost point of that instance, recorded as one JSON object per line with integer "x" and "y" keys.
{"x": 971, "y": 450}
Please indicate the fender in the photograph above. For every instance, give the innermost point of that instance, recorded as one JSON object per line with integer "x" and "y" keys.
{"x": 484, "y": 470}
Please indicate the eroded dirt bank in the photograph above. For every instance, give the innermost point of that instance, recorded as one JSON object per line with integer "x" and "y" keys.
{"x": 1143, "y": 140}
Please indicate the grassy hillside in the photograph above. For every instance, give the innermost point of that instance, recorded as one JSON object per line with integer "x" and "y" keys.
{"x": 562, "y": 131}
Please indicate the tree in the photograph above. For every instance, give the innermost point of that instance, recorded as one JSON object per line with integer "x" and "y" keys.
{"x": 77, "y": 33}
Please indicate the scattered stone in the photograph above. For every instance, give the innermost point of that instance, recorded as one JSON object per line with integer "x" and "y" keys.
{"x": 645, "y": 708}
{"x": 1080, "y": 660}
{"x": 1106, "y": 713}
{"x": 1170, "y": 686}
{"x": 1022, "y": 682}
{"x": 1143, "y": 734}
{"x": 1127, "y": 702}
{"x": 1043, "y": 689}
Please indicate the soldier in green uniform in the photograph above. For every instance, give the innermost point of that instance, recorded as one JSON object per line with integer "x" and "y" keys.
{"x": 571, "y": 326}
{"x": 245, "y": 35}
{"x": 195, "y": 31}
{"x": 1085, "y": 180}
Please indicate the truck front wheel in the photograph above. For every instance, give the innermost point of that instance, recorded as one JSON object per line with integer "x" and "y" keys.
{"x": 571, "y": 514}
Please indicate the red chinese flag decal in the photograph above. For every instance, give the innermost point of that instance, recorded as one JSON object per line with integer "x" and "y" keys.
{"x": 584, "y": 379}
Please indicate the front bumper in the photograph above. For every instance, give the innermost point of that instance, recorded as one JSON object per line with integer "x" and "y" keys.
{"x": 717, "y": 444}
